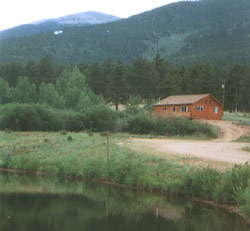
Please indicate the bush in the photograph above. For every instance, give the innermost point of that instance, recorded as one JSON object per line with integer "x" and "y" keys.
{"x": 143, "y": 124}
{"x": 234, "y": 183}
{"x": 19, "y": 117}
{"x": 202, "y": 183}
{"x": 244, "y": 201}
{"x": 140, "y": 124}
{"x": 30, "y": 117}
{"x": 121, "y": 125}
{"x": 166, "y": 126}
{"x": 48, "y": 119}
{"x": 74, "y": 121}
{"x": 100, "y": 118}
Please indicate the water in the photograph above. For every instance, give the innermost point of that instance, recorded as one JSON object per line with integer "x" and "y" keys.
{"x": 52, "y": 204}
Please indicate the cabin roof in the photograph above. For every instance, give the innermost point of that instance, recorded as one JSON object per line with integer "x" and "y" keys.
{"x": 181, "y": 99}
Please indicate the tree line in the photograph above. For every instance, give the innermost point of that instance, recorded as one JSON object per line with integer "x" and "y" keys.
{"x": 115, "y": 82}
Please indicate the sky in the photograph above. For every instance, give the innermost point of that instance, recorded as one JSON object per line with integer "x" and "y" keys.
{"x": 17, "y": 12}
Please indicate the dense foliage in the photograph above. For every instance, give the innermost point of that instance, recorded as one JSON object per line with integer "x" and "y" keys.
{"x": 37, "y": 117}
{"x": 69, "y": 90}
{"x": 168, "y": 126}
{"x": 115, "y": 82}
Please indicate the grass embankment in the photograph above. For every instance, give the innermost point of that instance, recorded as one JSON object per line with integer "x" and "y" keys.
{"x": 247, "y": 149}
{"x": 245, "y": 139}
{"x": 243, "y": 118}
{"x": 85, "y": 156}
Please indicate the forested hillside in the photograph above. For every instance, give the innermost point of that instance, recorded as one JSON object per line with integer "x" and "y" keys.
{"x": 183, "y": 32}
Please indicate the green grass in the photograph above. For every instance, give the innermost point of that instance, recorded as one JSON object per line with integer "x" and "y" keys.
{"x": 247, "y": 149}
{"x": 244, "y": 139}
{"x": 153, "y": 136}
{"x": 244, "y": 117}
{"x": 85, "y": 156}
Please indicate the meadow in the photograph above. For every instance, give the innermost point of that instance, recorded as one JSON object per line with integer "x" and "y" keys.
{"x": 240, "y": 117}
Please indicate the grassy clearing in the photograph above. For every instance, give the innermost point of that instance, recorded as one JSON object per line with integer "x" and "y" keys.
{"x": 85, "y": 156}
{"x": 244, "y": 139}
{"x": 152, "y": 136}
{"x": 244, "y": 117}
{"x": 247, "y": 149}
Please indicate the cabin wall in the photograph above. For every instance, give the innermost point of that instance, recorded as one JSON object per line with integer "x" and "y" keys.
{"x": 208, "y": 111}
{"x": 169, "y": 110}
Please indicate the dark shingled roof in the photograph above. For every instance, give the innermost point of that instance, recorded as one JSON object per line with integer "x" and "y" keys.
{"x": 181, "y": 99}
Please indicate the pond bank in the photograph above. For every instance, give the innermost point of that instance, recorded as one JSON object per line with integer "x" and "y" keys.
{"x": 226, "y": 207}
{"x": 55, "y": 203}
{"x": 85, "y": 157}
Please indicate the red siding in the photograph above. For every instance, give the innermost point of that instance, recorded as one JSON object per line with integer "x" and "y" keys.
{"x": 208, "y": 103}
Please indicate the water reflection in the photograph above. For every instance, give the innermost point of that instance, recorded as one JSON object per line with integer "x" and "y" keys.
{"x": 51, "y": 204}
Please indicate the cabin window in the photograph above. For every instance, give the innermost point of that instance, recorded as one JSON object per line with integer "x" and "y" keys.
{"x": 205, "y": 100}
{"x": 210, "y": 101}
{"x": 174, "y": 109}
{"x": 184, "y": 109}
{"x": 200, "y": 108}
{"x": 215, "y": 110}
{"x": 165, "y": 108}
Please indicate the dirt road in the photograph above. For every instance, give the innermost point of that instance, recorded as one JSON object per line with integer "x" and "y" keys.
{"x": 218, "y": 150}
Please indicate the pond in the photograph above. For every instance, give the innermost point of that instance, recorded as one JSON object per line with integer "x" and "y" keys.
{"x": 51, "y": 204}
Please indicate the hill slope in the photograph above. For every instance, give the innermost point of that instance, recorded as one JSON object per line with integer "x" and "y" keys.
{"x": 183, "y": 32}
{"x": 56, "y": 24}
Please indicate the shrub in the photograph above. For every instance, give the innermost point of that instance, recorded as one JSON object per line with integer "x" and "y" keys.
{"x": 20, "y": 117}
{"x": 30, "y": 117}
{"x": 202, "y": 183}
{"x": 244, "y": 201}
{"x": 48, "y": 119}
{"x": 74, "y": 121}
{"x": 234, "y": 183}
{"x": 143, "y": 124}
{"x": 140, "y": 124}
{"x": 121, "y": 125}
{"x": 166, "y": 126}
{"x": 100, "y": 118}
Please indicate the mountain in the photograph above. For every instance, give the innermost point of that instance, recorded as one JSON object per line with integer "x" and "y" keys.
{"x": 183, "y": 32}
{"x": 57, "y": 24}
{"x": 90, "y": 17}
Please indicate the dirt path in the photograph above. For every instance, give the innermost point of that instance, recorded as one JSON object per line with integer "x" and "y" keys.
{"x": 229, "y": 130}
{"x": 219, "y": 150}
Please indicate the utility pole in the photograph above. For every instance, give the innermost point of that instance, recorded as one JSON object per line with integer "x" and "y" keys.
{"x": 236, "y": 101}
{"x": 223, "y": 87}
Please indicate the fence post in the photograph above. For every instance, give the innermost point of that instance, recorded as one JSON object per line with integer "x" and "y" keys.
{"x": 108, "y": 146}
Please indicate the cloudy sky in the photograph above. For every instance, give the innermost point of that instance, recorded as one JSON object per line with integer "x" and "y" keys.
{"x": 17, "y": 12}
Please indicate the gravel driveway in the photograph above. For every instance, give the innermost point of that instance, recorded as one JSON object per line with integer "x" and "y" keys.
{"x": 218, "y": 150}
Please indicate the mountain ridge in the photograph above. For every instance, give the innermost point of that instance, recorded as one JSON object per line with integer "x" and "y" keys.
{"x": 182, "y": 32}
{"x": 88, "y": 17}
{"x": 43, "y": 25}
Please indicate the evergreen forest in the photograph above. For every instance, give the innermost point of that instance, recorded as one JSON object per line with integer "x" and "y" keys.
{"x": 78, "y": 87}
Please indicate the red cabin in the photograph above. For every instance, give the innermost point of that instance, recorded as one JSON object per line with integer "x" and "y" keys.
{"x": 203, "y": 106}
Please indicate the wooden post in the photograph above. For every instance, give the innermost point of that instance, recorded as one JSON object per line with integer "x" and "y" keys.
{"x": 223, "y": 86}
{"x": 108, "y": 146}
{"x": 106, "y": 209}
{"x": 236, "y": 102}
